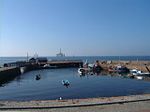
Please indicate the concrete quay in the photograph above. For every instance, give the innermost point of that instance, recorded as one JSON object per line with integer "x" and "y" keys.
{"x": 12, "y": 70}
{"x": 78, "y": 104}
{"x": 66, "y": 63}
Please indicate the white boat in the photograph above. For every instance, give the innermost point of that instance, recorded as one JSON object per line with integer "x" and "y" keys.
{"x": 136, "y": 72}
{"x": 82, "y": 71}
{"x": 139, "y": 77}
{"x": 49, "y": 66}
{"x": 46, "y": 66}
{"x": 91, "y": 66}
{"x": 22, "y": 70}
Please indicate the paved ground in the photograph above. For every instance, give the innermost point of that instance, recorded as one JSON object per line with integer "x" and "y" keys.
{"x": 142, "y": 106}
{"x": 134, "y": 103}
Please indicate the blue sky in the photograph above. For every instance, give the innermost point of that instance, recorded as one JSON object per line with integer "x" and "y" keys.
{"x": 79, "y": 27}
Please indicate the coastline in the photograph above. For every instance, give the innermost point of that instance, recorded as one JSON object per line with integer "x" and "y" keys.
{"x": 52, "y": 104}
{"x": 88, "y": 102}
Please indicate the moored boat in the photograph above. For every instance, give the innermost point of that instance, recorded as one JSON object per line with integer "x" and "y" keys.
{"x": 136, "y": 72}
{"x": 82, "y": 71}
{"x": 38, "y": 77}
{"x": 139, "y": 77}
{"x": 65, "y": 82}
{"x": 118, "y": 69}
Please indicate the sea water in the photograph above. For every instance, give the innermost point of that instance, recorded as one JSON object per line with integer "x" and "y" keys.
{"x": 26, "y": 87}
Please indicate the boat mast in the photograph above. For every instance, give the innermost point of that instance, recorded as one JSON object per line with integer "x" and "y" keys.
{"x": 27, "y": 56}
{"x": 60, "y": 50}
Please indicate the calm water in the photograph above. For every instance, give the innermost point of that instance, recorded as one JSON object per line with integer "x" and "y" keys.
{"x": 26, "y": 87}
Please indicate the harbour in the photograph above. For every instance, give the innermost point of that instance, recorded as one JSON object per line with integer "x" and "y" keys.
{"x": 9, "y": 71}
{"x": 49, "y": 85}
{"x": 13, "y": 69}
{"x": 75, "y": 56}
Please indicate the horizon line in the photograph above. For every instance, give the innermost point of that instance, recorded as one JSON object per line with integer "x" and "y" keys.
{"x": 85, "y": 56}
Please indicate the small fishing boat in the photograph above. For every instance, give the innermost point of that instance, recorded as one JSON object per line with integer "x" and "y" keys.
{"x": 46, "y": 66}
{"x": 139, "y": 77}
{"x": 65, "y": 82}
{"x": 136, "y": 72}
{"x": 118, "y": 69}
{"x": 97, "y": 69}
{"x": 38, "y": 77}
{"x": 82, "y": 71}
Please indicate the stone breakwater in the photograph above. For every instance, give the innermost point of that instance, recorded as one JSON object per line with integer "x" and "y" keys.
{"x": 8, "y": 73}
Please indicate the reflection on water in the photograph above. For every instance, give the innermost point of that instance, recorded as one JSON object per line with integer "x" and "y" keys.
{"x": 49, "y": 86}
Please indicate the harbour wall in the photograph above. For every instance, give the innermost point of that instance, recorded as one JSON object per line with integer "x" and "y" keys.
{"x": 9, "y": 73}
{"x": 13, "y": 69}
